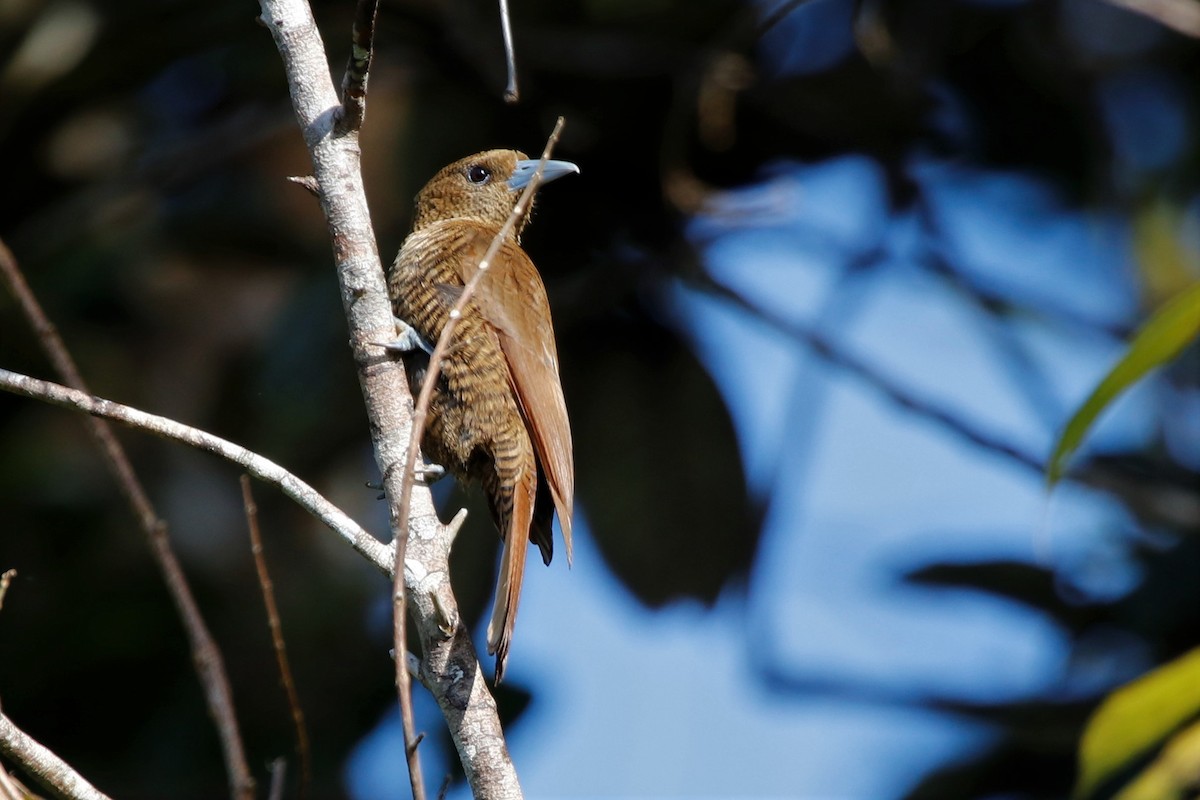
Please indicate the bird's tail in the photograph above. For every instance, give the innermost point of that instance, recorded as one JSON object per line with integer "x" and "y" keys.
{"x": 512, "y": 568}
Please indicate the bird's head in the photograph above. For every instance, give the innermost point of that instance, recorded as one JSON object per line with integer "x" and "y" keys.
{"x": 484, "y": 187}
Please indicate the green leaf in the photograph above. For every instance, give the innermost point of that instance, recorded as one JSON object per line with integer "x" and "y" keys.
{"x": 1136, "y": 718}
{"x": 1163, "y": 336}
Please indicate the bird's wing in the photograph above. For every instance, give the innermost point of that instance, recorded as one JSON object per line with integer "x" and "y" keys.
{"x": 512, "y": 298}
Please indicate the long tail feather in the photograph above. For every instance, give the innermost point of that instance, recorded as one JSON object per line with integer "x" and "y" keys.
{"x": 512, "y": 570}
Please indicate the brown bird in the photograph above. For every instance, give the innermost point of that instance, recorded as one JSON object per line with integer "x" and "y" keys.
{"x": 497, "y": 414}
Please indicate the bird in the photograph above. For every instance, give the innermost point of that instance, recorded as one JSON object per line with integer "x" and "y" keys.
{"x": 497, "y": 415}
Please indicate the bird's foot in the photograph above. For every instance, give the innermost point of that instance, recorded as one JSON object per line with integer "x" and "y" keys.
{"x": 429, "y": 474}
{"x": 407, "y": 340}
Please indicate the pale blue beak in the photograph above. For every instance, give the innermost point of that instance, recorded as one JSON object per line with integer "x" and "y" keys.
{"x": 523, "y": 174}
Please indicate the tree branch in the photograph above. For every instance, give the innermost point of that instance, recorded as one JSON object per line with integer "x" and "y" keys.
{"x": 450, "y": 665}
{"x": 5, "y": 580}
{"x": 354, "y": 83}
{"x": 828, "y": 351}
{"x": 48, "y": 769}
{"x": 511, "y": 94}
{"x": 264, "y": 469}
{"x": 206, "y": 655}
{"x": 277, "y": 641}
{"x": 1182, "y": 16}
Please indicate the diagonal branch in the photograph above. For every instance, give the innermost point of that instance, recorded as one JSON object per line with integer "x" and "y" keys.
{"x": 206, "y": 655}
{"x": 833, "y": 354}
{"x": 264, "y": 469}
{"x": 49, "y": 770}
{"x": 1182, "y": 16}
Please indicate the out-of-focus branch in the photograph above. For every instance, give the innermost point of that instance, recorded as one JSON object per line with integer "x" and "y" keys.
{"x": 48, "y": 769}
{"x": 8, "y": 786}
{"x": 210, "y": 666}
{"x": 277, "y": 641}
{"x": 264, "y": 469}
{"x": 449, "y": 662}
{"x": 354, "y": 83}
{"x": 1179, "y": 15}
{"x": 5, "y": 580}
{"x": 830, "y": 352}
{"x": 278, "y": 770}
{"x": 1159, "y": 499}
{"x": 511, "y": 94}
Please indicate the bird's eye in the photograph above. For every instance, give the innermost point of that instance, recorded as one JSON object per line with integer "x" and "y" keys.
{"x": 478, "y": 174}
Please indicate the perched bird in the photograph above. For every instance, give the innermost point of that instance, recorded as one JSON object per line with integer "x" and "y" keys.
{"x": 497, "y": 415}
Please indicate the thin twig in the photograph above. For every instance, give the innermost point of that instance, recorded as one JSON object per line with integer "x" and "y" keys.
{"x": 306, "y": 182}
{"x": 511, "y": 95}
{"x": 278, "y": 770}
{"x": 44, "y": 766}
{"x": 206, "y": 655}
{"x": 262, "y": 468}
{"x": 354, "y": 82}
{"x": 8, "y": 786}
{"x": 5, "y": 580}
{"x": 421, "y": 412}
{"x": 285, "y": 669}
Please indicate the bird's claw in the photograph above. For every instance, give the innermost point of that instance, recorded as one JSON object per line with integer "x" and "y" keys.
{"x": 429, "y": 474}
{"x": 407, "y": 339}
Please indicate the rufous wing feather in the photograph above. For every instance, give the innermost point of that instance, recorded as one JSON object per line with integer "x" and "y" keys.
{"x": 512, "y": 298}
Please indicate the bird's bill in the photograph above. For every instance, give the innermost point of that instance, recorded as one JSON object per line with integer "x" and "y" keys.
{"x": 523, "y": 174}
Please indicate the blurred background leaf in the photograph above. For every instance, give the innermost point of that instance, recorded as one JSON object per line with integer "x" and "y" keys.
{"x": 1168, "y": 331}
{"x": 1136, "y": 720}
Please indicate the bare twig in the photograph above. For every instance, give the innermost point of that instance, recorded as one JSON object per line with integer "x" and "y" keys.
{"x": 285, "y": 669}
{"x": 5, "y": 580}
{"x": 48, "y": 769}
{"x": 511, "y": 95}
{"x": 278, "y": 770}
{"x": 354, "y": 83}
{"x": 306, "y": 182}
{"x": 8, "y": 786}
{"x": 206, "y": 655}
{"x": 264, "y": 469}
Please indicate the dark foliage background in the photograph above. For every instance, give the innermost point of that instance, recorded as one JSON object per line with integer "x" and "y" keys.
{"x": 145, "y": 146}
